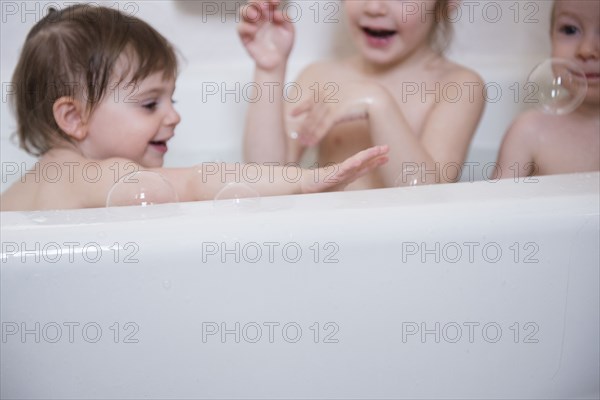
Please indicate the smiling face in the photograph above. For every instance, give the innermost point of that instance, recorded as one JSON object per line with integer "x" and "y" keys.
{"x": 133, "y": 122}
{"x": 576, "y": 36}
{"x": 388, "y": 32}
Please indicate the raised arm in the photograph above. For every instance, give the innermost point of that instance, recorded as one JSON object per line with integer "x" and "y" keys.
{"x": 268, "y": 37}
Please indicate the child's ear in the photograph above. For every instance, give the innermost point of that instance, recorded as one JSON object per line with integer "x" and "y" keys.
{"x": 69, "y": 115}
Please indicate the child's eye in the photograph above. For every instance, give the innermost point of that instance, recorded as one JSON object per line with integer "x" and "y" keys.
{"x": 568, "y": 29}
{"x": 151, "y": 105}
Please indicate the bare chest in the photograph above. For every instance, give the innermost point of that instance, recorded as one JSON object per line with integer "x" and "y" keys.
{"x": 572, "y": 149}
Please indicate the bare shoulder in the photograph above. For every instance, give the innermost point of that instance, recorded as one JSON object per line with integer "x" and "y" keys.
{"x": 522, "y": 140}
{"x": 528, "y": 126}
{"x": 65, "y": 180}
{"x": 450, "y": 71}
{"x": 15, "y": 198}
{"x": 322, "y": 70}
{"x": 520, "y": 145}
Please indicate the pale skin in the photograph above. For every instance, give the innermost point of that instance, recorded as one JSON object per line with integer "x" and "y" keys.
{"x": 363, "y": 100}
{"x": 545, "y": 144}
{"x": 117, "y": 138}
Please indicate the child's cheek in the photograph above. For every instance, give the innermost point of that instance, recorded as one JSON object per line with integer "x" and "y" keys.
{"x": 560, "y": 49}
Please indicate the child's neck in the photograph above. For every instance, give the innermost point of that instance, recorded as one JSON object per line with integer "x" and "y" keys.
{"x": 416, "y": 60}
{"x": 63, "y": 150}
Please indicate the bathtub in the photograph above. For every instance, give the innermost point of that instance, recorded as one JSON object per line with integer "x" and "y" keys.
{"x": 480, "y": 289}
{"x": 468, "y": 290}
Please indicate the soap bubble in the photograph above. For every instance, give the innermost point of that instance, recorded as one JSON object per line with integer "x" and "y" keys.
{"x": 409, "y": 176}
{"x": 559, "y": 86}
{"x": 141, "y": 188}
{"x": 293, "y": 134}
{"x": 237, "y": 195}
{"x": 293, "y": 124}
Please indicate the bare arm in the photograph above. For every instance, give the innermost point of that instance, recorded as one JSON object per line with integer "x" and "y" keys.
{"x": 273, "y": 179}
{"x": 450, "y": 127}
{"x": 204, "y": 181}
{"x": 268, "y": 38}
{"x": 516, "y": 157}
{"x": 444, "y": 139}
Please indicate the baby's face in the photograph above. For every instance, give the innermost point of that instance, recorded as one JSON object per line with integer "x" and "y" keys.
{"x": 389, "y": 31}
{"x": 133, "y": 122}
{"x": 576, "y": 36}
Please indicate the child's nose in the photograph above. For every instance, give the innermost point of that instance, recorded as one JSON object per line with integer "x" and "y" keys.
{"x": 172, "y": 118}
{"x": 376, "y": 7}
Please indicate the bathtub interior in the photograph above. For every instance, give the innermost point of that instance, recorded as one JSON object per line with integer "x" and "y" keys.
{"x": 211, "y": 129}
{"x": 158, "y": 314}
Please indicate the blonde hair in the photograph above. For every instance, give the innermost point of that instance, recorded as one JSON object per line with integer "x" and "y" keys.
{"x": 442, "y": 33}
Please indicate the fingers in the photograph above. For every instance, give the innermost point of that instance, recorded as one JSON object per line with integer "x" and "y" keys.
{"x": 253, "y": 15}
{"x": 372, "y": 152}
{"x": 323, "y": 116}
{"x": 348, "y": 170}
{"x": 247, "y": 31}
{"x": 360, "y": 164}
{"x": 250, "y": 21}
{"x": 256, "y": 13}
{"x": 371, "y": 165}
{"x": 272, "y": 4}
{"x": 316, "y": 125}
{"x": 251, "y": 12}
{"x": 366, "y": 160}
{"x": 272, "y": 14}
{"x": 302, "y": 108}
{"x": 260, "y": 11}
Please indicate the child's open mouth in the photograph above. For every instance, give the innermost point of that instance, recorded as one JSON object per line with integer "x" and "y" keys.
{"x": 379, "y": 37}
{"x": 159, "y": 145}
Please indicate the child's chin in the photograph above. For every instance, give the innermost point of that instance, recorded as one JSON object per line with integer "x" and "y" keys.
{"x": 382, "y": 57}
{"x": 154, "y": 162}
{"x": 381, "y": 60}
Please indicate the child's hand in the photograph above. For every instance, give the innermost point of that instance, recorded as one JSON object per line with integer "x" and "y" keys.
{"x": 352, "y": 102}
{"x": 266, "y": 33}
{"x": 338, "y": 176}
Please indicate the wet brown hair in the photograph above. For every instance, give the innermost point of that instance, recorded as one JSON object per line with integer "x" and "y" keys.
{"x": 73, "y": 52}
